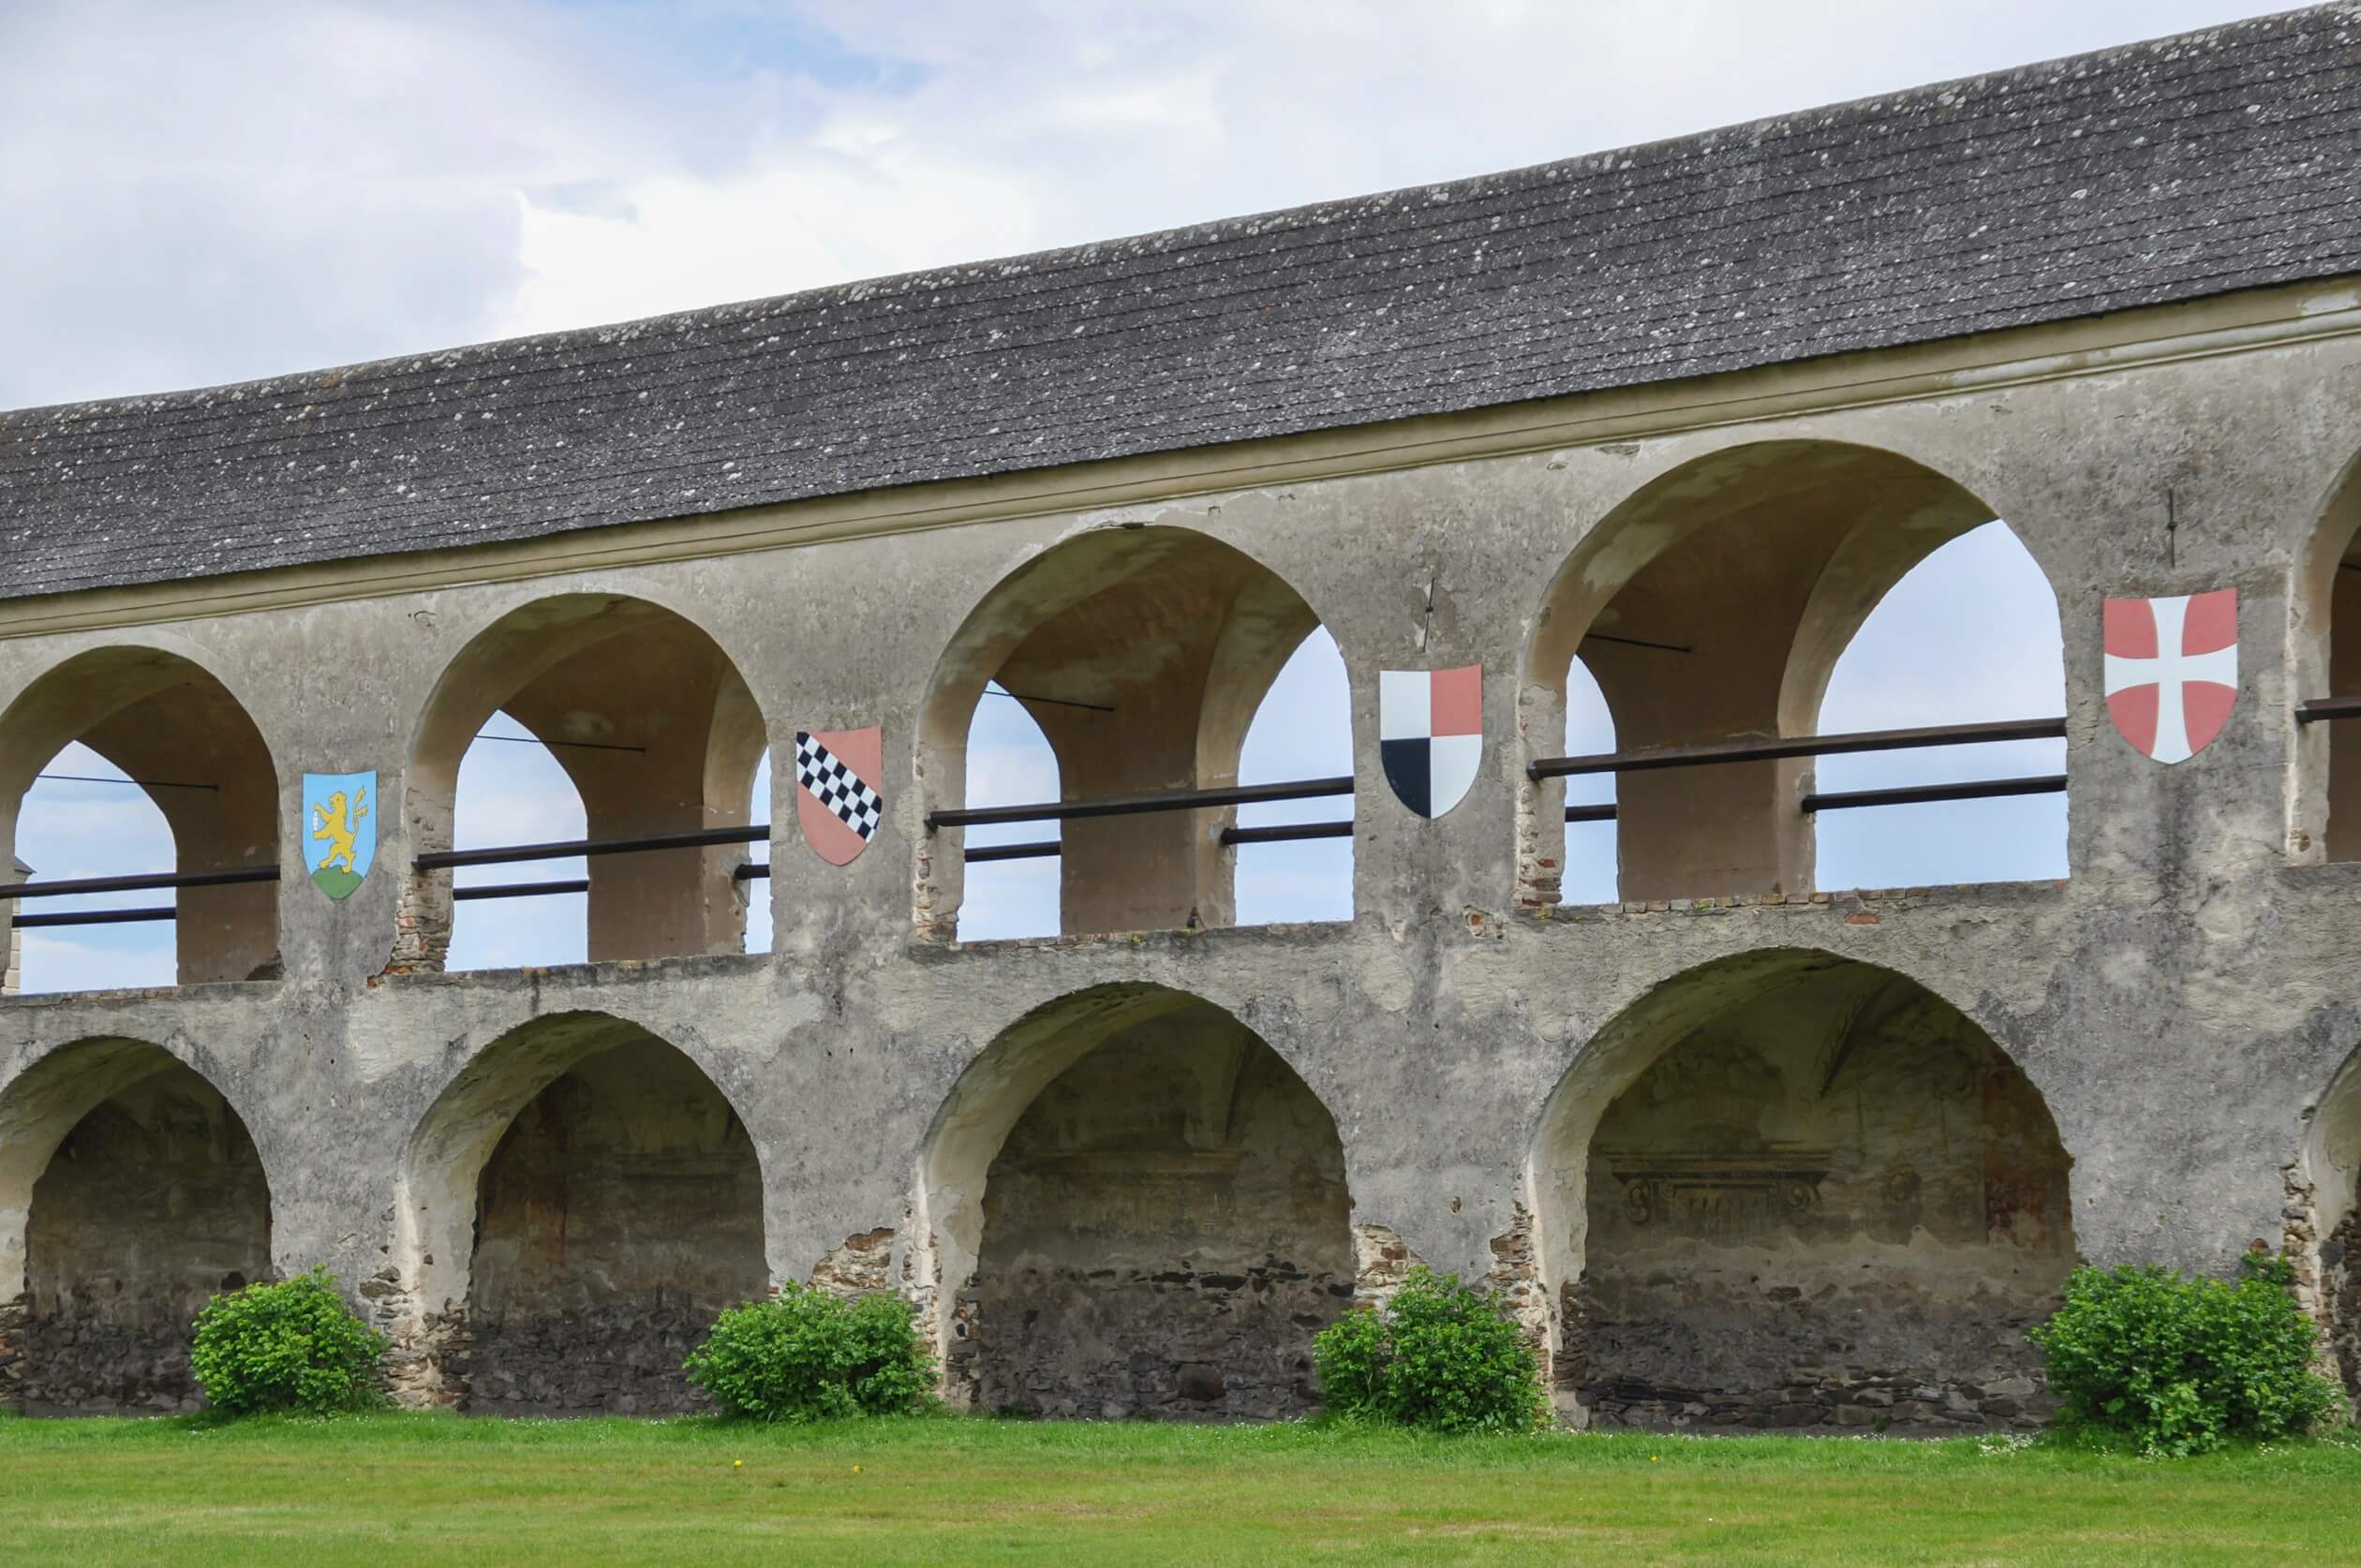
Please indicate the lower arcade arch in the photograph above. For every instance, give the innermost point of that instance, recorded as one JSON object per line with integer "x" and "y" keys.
{"x": 130, "y": 1193}
{"x": 1135, "y": 1209}
{"x": 577, "y": 1207}
{"x": 1790, "y": 1189}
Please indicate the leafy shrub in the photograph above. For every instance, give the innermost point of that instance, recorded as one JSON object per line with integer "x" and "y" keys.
{"x": 1440, "y": 1354}
{"x": 2181, "y": 1364}
{"x": 289, "y": 1346}
{"x": 809, "y": 1355}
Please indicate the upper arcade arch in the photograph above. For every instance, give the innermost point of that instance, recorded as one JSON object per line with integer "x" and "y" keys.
{"x": 1143, "y": 653}
{"x": 173, "y": 725}
{"x": 2327, "y": 663}
{"x": 1711, "y": 605}
{"x": 659, "y": 732}
{"x": 1780, "y": 1179}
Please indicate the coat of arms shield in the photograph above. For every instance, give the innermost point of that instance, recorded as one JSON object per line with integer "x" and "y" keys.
{"x": 2172, "y": 671}
{"x": 339, "y": 830}
{"x": 1430, "y": 734}
{"x": 836, "y": 799}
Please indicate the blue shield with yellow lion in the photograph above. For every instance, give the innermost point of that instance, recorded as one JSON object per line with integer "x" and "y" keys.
{"x": 339, "y": 829}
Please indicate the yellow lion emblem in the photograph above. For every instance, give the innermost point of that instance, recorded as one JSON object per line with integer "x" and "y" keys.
{"x": 336, "y": 823}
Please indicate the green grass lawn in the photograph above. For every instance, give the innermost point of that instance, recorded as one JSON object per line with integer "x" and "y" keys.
{"x": 388, "y": 1490}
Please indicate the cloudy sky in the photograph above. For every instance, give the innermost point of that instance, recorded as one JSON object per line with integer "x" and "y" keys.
{"x": 202, "y": 193}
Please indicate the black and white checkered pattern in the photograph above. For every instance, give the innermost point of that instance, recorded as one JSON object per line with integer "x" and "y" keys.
{"x": 837, "y": 787}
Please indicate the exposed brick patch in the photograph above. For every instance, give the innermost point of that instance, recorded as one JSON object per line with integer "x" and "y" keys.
{"x": 864, "y": 1265}
{"x": 1381, "y": 1261}
{"x": 13, "y": 1315}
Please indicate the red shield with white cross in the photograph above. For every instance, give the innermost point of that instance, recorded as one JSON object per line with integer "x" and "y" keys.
{"x": 2172, "y": 671}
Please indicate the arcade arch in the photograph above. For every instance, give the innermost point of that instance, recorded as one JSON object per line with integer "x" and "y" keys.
{"x": 2332, "y": 1165}
{"x": 1134, "y": 1208}
{"x": 585, "y": 1200}
{"x": 1792, "y": 1189}
{"x": 191, "y": 749}
{"x": 657, "y": 732}
{"x": 2329, "y": 664}
{"x": 1143, "y": 654}
{"x": 1712, "y": 605}
{"x": 130, "y": 1193}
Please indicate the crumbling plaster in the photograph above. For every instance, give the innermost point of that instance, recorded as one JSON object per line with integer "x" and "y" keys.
{"x": 2163, "y": 1001}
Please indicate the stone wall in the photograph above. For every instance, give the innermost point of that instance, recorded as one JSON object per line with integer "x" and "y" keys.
{"x": 1165, "y": 1228}
{"x": 154, "y": 1202}
{"x": 2341, "y": 1279}
{"x": 620, "y": 1215}
{"x": 1835, "y": 1206}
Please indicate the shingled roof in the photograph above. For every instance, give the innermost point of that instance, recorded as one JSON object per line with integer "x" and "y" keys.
{"x": 2162, "y": 171}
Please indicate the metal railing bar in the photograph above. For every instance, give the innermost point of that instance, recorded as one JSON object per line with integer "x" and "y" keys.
{"x": 508, "y": 855}
{"x": 1287, "y": 833}
{"x": 1129, "y": 806}
{"x": 1034, "y": 851}
{"x": 519, "y": 890}
{"x": 92, "y": 917}
{"x": 1919, "y": 794}
{"x": 1590, "y": 813}
{"x": 750, "y": 871}
{"x": 1798, "y": 746}
{"x": 223, "y": 878}
{"x": 2320, "y": 708}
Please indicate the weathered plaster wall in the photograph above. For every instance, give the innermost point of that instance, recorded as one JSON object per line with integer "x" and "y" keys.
{"x": 2178, "y": 1005}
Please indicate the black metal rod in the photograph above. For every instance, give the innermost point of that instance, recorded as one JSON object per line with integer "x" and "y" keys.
{"x": 2320, "y": 708}
{"x": 518, "y": 890}
{"x": 1034, "y": 851}
{"x": 508, "y": 855}
{"x": 574, "y": 746}
{"x": 139, "y": 885}
{"x": 1590, "y": 813}
{"x": 1287, "y": 833}
{"x": 142, "y": 783}
{"x": 1637, "y": 642}
{"x": 1053, "y": 701}
{"x": 751, "y": 871}
{"x": 1798, "y": 746}
{"x": 1130, "y": 806}
{"x": 92, "y": 917}
{"x": 1919, "y": 795}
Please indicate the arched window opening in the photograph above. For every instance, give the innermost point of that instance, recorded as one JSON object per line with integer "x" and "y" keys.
{"x": 1795, "y": 1191}
{"x": 1969, "y": 633}
{"x": 140, "y": 1195}
{"x": 585, "y": 1201}
{"x": 91, "y": 755}
{"x": 755, "y": 890}
{"x": 2330, "y": 708}
{"x": 1143, "y": 654}
{"x": 657, "y": 735}
{"x": 1148, "y": 1209}
{"x": 90, "y": 820}
{"x": 1587, "y": 874}
{"x": 1711, "y": 607}
{"x": 513, "y": 790}
{"x": 1009, "y": 763}
{"x": 1302, "y": 730}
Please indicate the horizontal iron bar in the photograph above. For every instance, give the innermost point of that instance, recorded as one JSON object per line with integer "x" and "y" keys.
{"x": 519, "y": 890}
{"x": 1034, "y": 851}
{"x": 1919, "y": 795}
{"x": 139, "y": 885}
{"x": 1131, "y": 806}
{"x": 1590, "y": 813}
{"x": 507, "y": 854}
{"x": 751, "y": 870}
{"x": 1287, "y": 833}
{"x": 93, "y": 917}
{"x": 2317, "y": 708}
{"x": 142, "y": 783}
{"x": 1798, "y": 746}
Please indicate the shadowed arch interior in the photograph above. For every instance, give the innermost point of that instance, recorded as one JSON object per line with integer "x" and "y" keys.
{"x": 160, "y": 717}
{"x": 130, "y": 1193}
{"x": 1790, "y": 1190}
{"x": 1712, "y": 605}
{"x": 577, "y": 1207}
{"x": 1134, "y": 1209}
{"x": 2329, "y": 664}
{"x": 1143, "y": 654}
{"x": 657, "y": 732}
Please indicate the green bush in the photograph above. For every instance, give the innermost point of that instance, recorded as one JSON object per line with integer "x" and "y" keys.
{"x": 2181, "y": 1364}
{"x": 1440, "y": 1355}
{"x": 293, "y": 1345}
{"x": 809, "y": 1354}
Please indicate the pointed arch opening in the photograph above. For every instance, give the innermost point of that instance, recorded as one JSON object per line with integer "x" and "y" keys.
{"x": 1132, "y": 1207}
{"x": 2327, "y": 808}
{"x": 130, "y": 1194}
{"x": 1712, "y": 608}
{"x": 1143, "y": 654}
{"x": 657, "y": 732}
{"x": 1790, "y": 1189}
{"x": 91, "y": 753}
{"x": 577, "y": 1206}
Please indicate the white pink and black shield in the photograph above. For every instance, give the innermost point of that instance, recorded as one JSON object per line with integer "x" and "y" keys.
{"x": 2172, "y": 671}
{"x": 836, "y": 799}
{"x": 1430, "y": 734}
